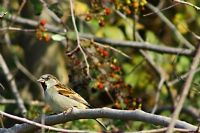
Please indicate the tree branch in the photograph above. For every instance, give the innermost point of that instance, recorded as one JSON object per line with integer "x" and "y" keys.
{"x": 13, "y": 86}
{"x": 123, "y": 115}
{"x": 139, "y": 45}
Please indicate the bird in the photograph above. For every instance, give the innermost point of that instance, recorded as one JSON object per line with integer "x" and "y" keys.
{"x": 61, "y": 97}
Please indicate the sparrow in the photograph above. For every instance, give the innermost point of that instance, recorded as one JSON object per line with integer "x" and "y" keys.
{"x": 61, "y": 97}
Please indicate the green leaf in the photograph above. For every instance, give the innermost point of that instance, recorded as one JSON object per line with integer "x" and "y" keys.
{"x": 183, "y": 64}
{"x": 37, "y": 5}
{"x": 58, "y": 37}
{"x": 56, "y": 8}
{"x": 111, "y": 32}
{"x": 151, "y": 37}
{"x": 71, "y": 35}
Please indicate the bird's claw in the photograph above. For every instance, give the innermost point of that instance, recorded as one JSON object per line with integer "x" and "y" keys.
{"x": 68, "y": 110}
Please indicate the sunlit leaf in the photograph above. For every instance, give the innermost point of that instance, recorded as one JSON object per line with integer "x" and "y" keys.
{"x": 58, "y": 37}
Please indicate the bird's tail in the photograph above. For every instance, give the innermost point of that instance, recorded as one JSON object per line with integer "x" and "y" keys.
{"x": 100, "y": 123}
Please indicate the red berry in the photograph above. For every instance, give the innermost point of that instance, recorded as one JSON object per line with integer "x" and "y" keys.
{"x": 113, "y": 67}
{"x": 47, "y": 38}
{"x": 125, "y": 100}
{"x": 88, "y": 17}
{"x": 72, "y": 57}
{"x": 128, "y": 11}
{"x": 118, "y": 68}
{"x": 42, "y": 29}
{"x": 131, "y": 91}
{"x": 117, "y": 105}
{"x": 119, "y": 80}
{"x": 77, "y": 62}
{"x": 117, "y": 86}
{"x": 100, "y": 51}
{"x": 101, "y": 23}
{"x": 112, "y": 75}
{"x": 42, "y": 22}
{"x": 107, "y": 11}
{"x": 125, "y": 85}
{"x": 105, "y": 53}
{"x": 100, "y": 86}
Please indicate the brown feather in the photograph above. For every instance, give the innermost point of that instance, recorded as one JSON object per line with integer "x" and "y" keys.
{"x": 68, "y": 92}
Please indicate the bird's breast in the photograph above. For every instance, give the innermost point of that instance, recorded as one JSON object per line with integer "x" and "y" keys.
{"x": 60, "y": 103}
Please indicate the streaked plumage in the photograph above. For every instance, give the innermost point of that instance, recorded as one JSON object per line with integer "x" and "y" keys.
{"x": 61, "y": 97}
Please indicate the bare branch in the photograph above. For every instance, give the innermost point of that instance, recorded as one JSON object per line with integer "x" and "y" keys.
{"x": 187, "y": 3}
{"x": 78, "y": 39}
{"x": 139, "y": 45}
{"x": 13, "y": 86}
{"x": 76, "y": 114}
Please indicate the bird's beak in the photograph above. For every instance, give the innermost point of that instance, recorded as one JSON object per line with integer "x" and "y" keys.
{"x": 41, "y": 80}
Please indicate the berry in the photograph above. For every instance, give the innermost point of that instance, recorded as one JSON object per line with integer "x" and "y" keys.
{"x": 42, "y": 29}
{"x": 44, "y": 35}
{"x": 119, "y": 80}
{"x": 77, "y": 62}
{"x": 112, "y": 75}
{"x": 139, "y": 100}
{"x": 118, "y": 68}
{"x": 131, "y": 91}
{"x": 105, "y": 53}
{"x": 117, "y": 86}
{"x": 136, "y": 5}
{"x": 113, "y": 67}
{"x": 101, "y": 23}
{"x": 114, "y": 61}
{"x": 100, "y": 86}
{"x": 117, "y": 105}
{"x": 125, "y": 100}
{"x": 88, "y": 17}
{"x": 100, "y": 51}
{"x": 128, "y": 11}
{"x": 125, "y": 85}
{"x": 107, "y": 11}
{"x": 98, "y": 64}
{"x": 42, "y": 22}
{"x": 47, "y": 38}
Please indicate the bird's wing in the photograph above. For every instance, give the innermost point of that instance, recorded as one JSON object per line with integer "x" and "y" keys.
{"x": 68, "y": 92}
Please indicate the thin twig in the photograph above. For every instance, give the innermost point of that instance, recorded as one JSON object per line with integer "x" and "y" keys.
{"x": 12, "y": 101}
{"x": 161, "y": 10}
{"x": 78, "y": 40}
{"x": 187, "y": 3}
{"x": 20, "y": 8}
{"x": 17, "y": 29}
{"x": 162, "y": 80}
{"x": 182, "y": 77}
{"x": 109, "y": 47}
